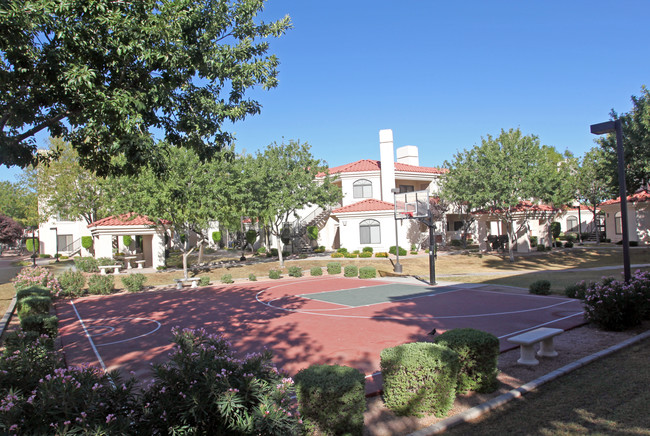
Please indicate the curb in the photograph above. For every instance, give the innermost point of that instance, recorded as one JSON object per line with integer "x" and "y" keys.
{"x": 488, "y": 406}
{"x": 7, "y": 317}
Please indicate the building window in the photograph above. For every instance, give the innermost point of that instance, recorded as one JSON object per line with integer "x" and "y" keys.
{"x": 406, "y": 188}
{"x": 64, "y": 241}
{"x": 572, "y": 224}
{"x": 458, "y": 225}
{"x": 370, "y": 232}
{"x": 362, "y": 189}
{"x": 618, "y": 224}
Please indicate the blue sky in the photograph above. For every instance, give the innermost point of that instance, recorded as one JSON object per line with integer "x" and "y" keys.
{"x": 443, "y": 74}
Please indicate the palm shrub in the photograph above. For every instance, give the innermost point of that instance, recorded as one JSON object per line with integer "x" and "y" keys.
{"x": 100, "y": 285}
{"x": 478, "y": 354}
{"x": 205, "y": 389}
{"x": 134, "y": 282}
{"x": 419, "y": 378}
{"x": 72, "y": 283}
{"x": 331, "y": 399}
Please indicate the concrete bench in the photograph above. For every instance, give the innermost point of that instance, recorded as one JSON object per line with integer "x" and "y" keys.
{"x": 193, "y": 282}
{"x": 103, "y": 268}
{"x": 140, "y": 263}
{"x": 527, "y": 340}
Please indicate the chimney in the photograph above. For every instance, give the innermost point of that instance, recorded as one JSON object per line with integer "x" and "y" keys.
{"x": 408, "y": 155}
{"x": 386, "y": 154}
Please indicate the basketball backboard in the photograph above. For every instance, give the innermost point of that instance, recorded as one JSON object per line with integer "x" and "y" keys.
{"x": 409, "y": 205}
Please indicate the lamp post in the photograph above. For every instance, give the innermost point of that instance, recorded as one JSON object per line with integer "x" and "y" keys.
{"x": 398, "y": 267}
{"x": 56, "y": 236}
{"x": 616, "y": 127}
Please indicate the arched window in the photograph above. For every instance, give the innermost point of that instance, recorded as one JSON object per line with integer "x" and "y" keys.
{"x": 362, "y": 189}
{"x": 618, "y": 224}
{"x": 369, "y": 232}
{"x": 572, "y": 224}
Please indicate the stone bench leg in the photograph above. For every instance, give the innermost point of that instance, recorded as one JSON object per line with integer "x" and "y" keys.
{"x": 527, "y": 355}
{"x": 116, "y": 270}
{"x": 546, "y": 348}
{"x": 102, "y": 271}
{"x": 179, "y": 285}
{"x": 194, "y": 284}
{"x": 139, "y": 265}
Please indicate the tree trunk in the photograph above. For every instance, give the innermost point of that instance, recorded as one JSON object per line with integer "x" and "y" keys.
{"x": 280, "y": 257}
{"x": 200, "y": 261}
{"x": 185, "y": 254}
{"x": 511, "y": 240}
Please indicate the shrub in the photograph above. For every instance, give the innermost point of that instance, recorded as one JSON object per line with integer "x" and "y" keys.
{"x": 478, "y": 354}
{"x": 33, "y": 305}
{"x": 103, "y": 261}
{"x": 350, "y": 255}
{"x": 454, "y": 243}
{"x": 72, "y": 283}
{"x": 533, "y": 241}
{"x": 206, "y": 389}
{"x": 568, "y": 244}
{"x": 252, "y": 277}
{"x": 316, "y": 271}
{"x": 541, "y": 247}
{"x": 337, "y": 255}
{"x": 540, "y": 287}
{"x": 578, "y": 290}
{"x": 227, "y": 278}
{"x": 216, "y": 237}
{"x": 86, "y": 264}
{"x": 31, "y": 245}
{"x": 350, "y": 271}
{"x": 333, "y": 268}
{"x": 320, "y": 249}
{"x": 273, "y": 252}
{"x": 204, "y": 281}
{"x": 331, "y": 399}
{"x": 365, "y": 254}
{"x": 295, "y": 271}
{"x": 381, "y": 254}
{"x": 261, "y": 250}
{"x": 402, "y": 251}
{"x": 134, "y": 282}
{"x": 41, "y": 324}
{"x": 127, "y": 239}
{"x": 419, "y": 378}
{"x": 367, "y": 249}
{"x": 342, "y": 250}
{"x": 367, "y": 272}
{"x": 615, "y": 305}
{"x": 100, "y": 285}
{"x": 275, "y": 274}
{"x": 29, "y": 276}
{"x": 44, "y": 256}
{"x": 26, "y": 359}
{"x": 33, "y": 290}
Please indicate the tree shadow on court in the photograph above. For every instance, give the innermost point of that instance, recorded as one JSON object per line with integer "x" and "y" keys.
{"x": 231, "y": 310}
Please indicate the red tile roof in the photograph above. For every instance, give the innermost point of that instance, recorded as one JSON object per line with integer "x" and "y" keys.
{"x": 126, "y": 219}
{"x": 525, "y": 206}
{"x": 369, "y": 205}
{"x": 638, "y": 197}
{"x": 375, "y": 165}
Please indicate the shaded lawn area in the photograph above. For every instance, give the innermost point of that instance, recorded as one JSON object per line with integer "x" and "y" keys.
{"x": 599, "y": 398}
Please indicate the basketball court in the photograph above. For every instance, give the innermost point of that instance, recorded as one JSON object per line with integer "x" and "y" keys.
{"x": 333, "y": 320}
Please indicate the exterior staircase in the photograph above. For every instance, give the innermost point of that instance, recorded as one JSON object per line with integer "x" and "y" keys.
{"x": 299, "y": 239}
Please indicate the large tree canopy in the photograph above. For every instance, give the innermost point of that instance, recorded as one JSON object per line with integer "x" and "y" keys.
{"x": 10, "y": 230}
{"x": 104, "y": 74}
{"x": 636, "y": 145}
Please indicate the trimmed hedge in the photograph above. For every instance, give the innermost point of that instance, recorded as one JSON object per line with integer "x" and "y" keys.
{"x": 478, "y": 354}
{"x": 367, "y": 272}
{"x": 331, "y": 399}
{"x": 540, "y": 287}
{"x": 333, "y": 268}
{"x": 367, "y": 249}
{"x": 316, "y": 271}
{"x": 419, "y": 378}
{"x": 38, "y": 290}
{"x": 33, "y": 305}
{"x": 350, "y": 271}
{"x": 41, "y": 324}
{"x": 295, "y": 271}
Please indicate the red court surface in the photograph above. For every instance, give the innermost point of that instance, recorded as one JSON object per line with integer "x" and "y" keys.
{"x": 130, "y": 331}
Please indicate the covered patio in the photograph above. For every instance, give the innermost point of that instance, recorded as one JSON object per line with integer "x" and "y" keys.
{"x": 148, "y": 238}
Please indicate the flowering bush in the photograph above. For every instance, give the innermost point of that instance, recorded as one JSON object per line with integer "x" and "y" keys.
{"x": 72, "y": 283}
{"x": 204, "y": 389}
{"x": 25, "y": 360}
{"x": 80, "y": 400}
{"x": 616, "y": 305}
{"x": 30, "y": 276}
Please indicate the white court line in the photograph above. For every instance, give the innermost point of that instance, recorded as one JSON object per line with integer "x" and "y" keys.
{"x": 540, "y": 325}
{"x": 92, "y": 344}
{"x": 134, "y": 337}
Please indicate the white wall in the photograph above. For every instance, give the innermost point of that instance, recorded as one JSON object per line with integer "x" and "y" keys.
{"x": 47, "y": 241}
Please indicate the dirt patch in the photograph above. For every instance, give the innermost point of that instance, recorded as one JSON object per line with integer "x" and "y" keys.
{"x": 571, "y": 345}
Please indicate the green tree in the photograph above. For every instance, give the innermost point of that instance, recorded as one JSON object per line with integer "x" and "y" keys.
{"x": 67, "y": 189}
{"x": 506, "y": 170}
{"x": 186, "y": 197}
{"x": 281, "y": 180}
{"x": 594, "y": 184}
{"x": 454, "y": 186}
{"x": 636, "y": 145}
{"x": 103, "y": 74}
{"x": 19, "y": 202}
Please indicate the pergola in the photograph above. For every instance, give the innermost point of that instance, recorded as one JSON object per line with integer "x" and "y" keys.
{"x": 153, "y": 236}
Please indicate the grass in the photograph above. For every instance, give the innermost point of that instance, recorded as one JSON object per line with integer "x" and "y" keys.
{"x": 606, "y": 397}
